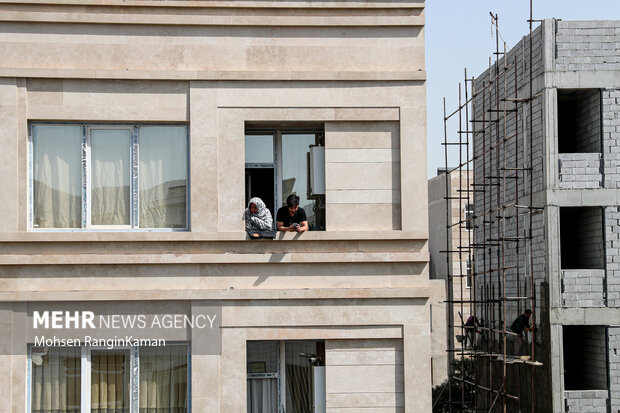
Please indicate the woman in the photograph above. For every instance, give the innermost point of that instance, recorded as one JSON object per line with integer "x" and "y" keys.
{"x": 257, "y": 216}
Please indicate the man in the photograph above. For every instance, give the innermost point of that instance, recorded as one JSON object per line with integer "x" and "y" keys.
{"x": 292, "y": 218}
{"x": 471, "y": 331}
{"x": 520, "y": 325}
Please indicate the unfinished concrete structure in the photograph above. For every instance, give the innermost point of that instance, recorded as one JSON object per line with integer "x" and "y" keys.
{"x": 450, "y": 206}
{"x": 133, "y": 133}
{"x": 543, "y": 125}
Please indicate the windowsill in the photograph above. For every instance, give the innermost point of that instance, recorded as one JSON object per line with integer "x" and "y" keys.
{"x": 184, "y": 235}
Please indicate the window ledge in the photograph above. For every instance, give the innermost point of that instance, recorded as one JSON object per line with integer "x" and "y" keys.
{"x": 423, "y": 291}
{"x": 186, "y": 236}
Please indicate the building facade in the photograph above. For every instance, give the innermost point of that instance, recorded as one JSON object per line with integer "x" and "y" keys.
{"x": 134, "y": 133}
{"x": 552, "y": 200}
{"x": 450, "y": 204}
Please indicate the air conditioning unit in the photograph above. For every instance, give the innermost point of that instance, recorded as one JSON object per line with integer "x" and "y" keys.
{"x": 317, "y": 170}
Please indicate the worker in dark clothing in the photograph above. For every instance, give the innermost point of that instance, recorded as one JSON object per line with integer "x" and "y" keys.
{"x": 519, "y": 326}
{"x": 471, "y": 331}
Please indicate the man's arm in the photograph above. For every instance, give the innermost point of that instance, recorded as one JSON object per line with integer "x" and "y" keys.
{"x": 281, "y": 227}
{"x": 303, "y": 226}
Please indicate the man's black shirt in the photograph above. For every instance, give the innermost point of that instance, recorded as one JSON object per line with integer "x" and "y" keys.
{"x": 286, "y": 218}
{"x": 521, "y": 323}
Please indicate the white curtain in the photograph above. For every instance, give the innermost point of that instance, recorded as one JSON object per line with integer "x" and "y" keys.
{"x": 109, "y": 382}
{"x": 163, "y": 379}
{"x": 262, "y": 395}
{"x": 163, "y": 176}
{"x": 57, "y": 176}
{"x": 56, "y": 380}
{"x": 110, "y": 176}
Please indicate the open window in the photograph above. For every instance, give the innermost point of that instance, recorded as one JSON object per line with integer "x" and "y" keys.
{"x": 281, "y": 162}
{"x": 579, "y": 121}
{"x": 289, "y": 372}
{"x": 585, "y": 358}
{"x": 581, "y": 238}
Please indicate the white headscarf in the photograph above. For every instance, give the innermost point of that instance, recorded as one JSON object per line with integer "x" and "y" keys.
{"x": 261, "y": 220}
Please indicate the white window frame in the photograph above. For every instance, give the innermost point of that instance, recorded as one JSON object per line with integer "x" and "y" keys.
{"x": 134, "y": 376}
{"x": 468, "y": 216}
{"x": 86, "y": 179}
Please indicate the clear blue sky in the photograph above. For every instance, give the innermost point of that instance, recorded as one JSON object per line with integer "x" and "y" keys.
{"x": 458, "y": 36}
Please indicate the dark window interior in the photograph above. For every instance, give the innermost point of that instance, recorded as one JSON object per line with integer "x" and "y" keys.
{"x": 581, "y": 238}
{"x": 579, "y": 121}
{"x": 585, "y": 358}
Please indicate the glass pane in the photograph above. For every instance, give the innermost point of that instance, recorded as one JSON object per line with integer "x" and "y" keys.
{"x": 57, "y": 176}
{"x": 299, "y": 375}
{"x": 163, "y": 176}
{"x": 110, "y": 176}
{"x": 262, "y": 357}
{"x": 295, "y": 150}
{"x": 163, "y": 379}
{"x": 109, "y": 381}
{"x": 258, "y": 148}
{"x": 56, "y": 380}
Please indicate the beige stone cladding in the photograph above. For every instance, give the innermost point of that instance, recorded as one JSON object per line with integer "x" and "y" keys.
{"x": 354, "y": 68}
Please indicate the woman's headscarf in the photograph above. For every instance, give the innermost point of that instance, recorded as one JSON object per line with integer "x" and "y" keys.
{"x": 261, "y": 219}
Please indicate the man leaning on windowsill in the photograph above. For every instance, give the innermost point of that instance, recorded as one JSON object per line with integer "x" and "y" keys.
{"x": 292, "y": 218}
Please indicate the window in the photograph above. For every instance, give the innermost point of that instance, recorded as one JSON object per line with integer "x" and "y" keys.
{"x": 579, "y": 121}
{"x": 278, "y": 163}
{"x": 469, "y": 217}
{"x": 468, "y": 275}
{"x": 109, "y": 176}
{"x": 301, "y": 363}
{"x": 121, "y": 380}
{"x": 582, "y": 243}
{"x": 585, "y": 357}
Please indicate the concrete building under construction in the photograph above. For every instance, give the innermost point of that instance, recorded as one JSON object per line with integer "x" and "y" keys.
{"x": 541, "y": 131}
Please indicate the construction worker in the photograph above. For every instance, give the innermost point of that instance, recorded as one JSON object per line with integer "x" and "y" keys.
{"x": 519, "y": 326}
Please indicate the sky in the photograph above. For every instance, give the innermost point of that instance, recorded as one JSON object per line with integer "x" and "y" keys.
{"x": 458, "y": 35}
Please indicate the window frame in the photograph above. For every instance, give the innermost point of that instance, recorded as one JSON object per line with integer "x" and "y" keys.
{"x": 277, "y": 134}
{"x": 86, "y": 175}
{"x": 85, "y": 375}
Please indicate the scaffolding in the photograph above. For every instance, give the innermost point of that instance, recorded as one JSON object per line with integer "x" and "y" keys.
{"x": 493, "y": 140}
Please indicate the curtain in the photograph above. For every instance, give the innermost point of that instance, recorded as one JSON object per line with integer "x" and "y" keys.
{"x": 298, "y": 376}
{"x": 163, "y": 379}
{"x": 163, "y": 176}
{"x": 263, "y": 395}
{"x": 110, "y": 176}
{"x": 57, "y": 176}
{"x": 109, "y": 381}
{"x": 56, "y": 380}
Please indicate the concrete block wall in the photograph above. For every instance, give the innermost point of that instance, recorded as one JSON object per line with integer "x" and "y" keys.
{"x": 580, "y": 170}
{"x": 583, "y": 288}
{"x": 612, "y": 255}
{"x": 613, "y": 334}
{"x": 518, "y": 154}
{"x": 587, "y": 45}
{"x": 588, "y": 121}
{"x": 586, "y": 401}
{"x": 611, "y": 136}
{"x": 517, "y": 276}
{"x": 515, "y": 151}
